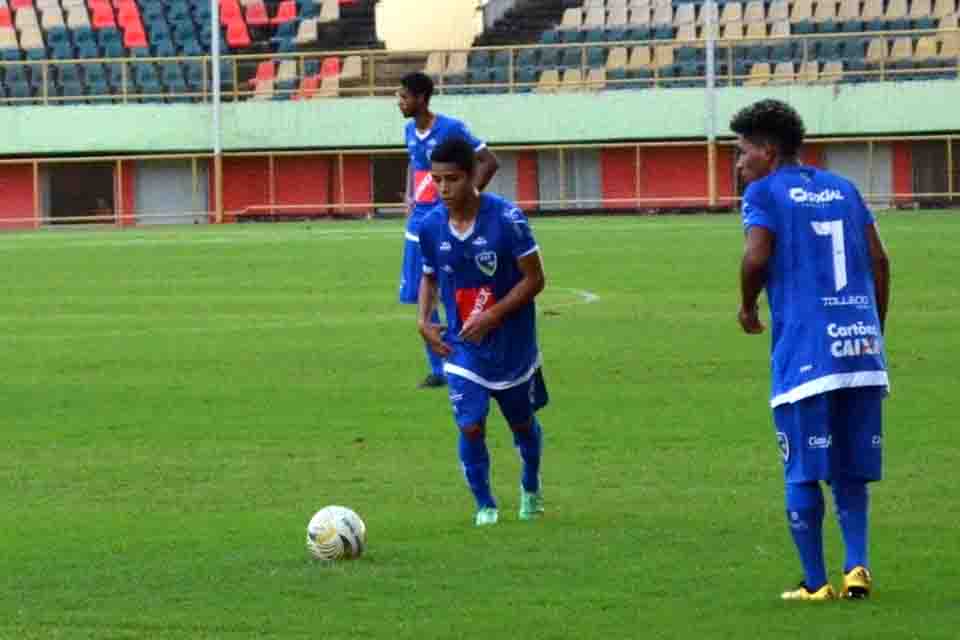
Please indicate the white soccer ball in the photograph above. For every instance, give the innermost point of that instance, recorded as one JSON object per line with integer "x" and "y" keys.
{"x": 336, "y": 532}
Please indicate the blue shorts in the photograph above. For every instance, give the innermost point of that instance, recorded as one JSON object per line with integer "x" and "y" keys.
{"x": 471, "y": 401}
{"x": 412, "y": 269}
{"x": 832, "y": 435}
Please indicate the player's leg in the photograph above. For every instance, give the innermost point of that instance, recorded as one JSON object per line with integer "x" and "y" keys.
{"x": 410, "y": 274}
{"x": 519, "y": 406}
{"x": 803, "y": 438}
{"x": 856, "y": 459}
{"x": 471, "y": 404}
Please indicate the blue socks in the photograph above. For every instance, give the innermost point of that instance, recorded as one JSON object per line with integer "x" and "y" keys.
{"x": 435, "y": 362}
{"x": 529, "y": 443}
{"x": 852, "y": 502}
{"x": 476, "y": 467}
{"x": 805, "y": 517}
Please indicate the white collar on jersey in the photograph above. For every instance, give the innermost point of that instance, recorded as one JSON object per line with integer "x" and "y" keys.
{"x": 466, "y": 234}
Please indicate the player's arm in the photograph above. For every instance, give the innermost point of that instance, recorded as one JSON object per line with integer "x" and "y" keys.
{"x": 881, "y": 271}
{"x": 426, "y": 303}
{"x": 753, "y": 275}
{"x": 487, "y": 165}
{"x": 522, "y": 294}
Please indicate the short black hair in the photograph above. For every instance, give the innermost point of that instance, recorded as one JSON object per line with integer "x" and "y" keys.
{"x": 456, "y": 151}
{"x": 419, "y": 84}
{"x": 772, "y": 122}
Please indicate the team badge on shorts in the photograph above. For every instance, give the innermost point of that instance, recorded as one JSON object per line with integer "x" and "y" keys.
{"x": 487, "y": 262}
{"x": 784, "y": 445}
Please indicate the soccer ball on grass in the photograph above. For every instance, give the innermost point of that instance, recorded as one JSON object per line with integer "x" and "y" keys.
{"x": 336, "y": 533}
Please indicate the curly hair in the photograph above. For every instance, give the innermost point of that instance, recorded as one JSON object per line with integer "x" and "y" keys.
{"x": 773, "y": 122}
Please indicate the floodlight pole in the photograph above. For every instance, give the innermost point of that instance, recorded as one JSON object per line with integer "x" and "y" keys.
{"x": 711, "y": 102}
{"x": 215, "y": 78}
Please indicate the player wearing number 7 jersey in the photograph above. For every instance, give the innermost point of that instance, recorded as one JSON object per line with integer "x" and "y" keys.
{"x": 813, "y": 244}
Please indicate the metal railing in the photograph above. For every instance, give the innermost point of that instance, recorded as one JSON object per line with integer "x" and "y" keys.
{"x": 663, "y": 64}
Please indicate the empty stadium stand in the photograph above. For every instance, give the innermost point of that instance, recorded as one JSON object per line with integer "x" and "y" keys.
{"x": 92, "y": 51}
{"x": 89, "y": 45}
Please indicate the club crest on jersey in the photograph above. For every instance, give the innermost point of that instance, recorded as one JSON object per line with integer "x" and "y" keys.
{"x": 784, "y": 444}
{"x": 487, "y": 262}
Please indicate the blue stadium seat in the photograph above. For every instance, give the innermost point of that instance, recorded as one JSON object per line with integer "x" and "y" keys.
{"x": 58, "y": 36}
{"x": 11, "y": 55}
{"x": 852, "y": 26}
{"x": 550, "y": 37}
{"x": 501, "y": 59}
{"x": 572, "y": 58}
{"x": 479, "y": 60}
{"x": 21, "y": 90}
{"x": 549, "y": 58}
{"x": 617, "y": 34}
{"x": 527, "y": 58}
{"x": 527, "y": 75}
{"x": 596, "y": 57}
{"x": 571, "y": 36}
{"x": 501, "y": 76}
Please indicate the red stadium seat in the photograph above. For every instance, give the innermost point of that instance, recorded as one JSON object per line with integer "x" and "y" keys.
{"x": 102, "y": 16}
{"x": 21, "y": 4}
{"x": 257, "y": 15}
{"x": 6, "y": 20}
{"x": 308, "y": 88}
{"x": 128, "y": 14}
{"x": 343, "y": 2}
{"x": 230, "y": 11}
{"x": 265, "y": 72}
{"x": 286, "y": 12}
{"x": 134, "y": 36}
{"x": 237, "y": 35}
{"x": 330, "y": 67}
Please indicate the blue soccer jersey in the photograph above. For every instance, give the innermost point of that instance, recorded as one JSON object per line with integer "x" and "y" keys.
{"x": 474, "y": 271}
{"x": 420, "y": 146}
{"x": 825, "y": 326}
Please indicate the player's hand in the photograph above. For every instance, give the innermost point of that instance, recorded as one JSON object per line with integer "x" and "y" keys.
{"x": 433, "y": 335}
{"x": 750, "y": 320}
{"x": 477, "y": 326}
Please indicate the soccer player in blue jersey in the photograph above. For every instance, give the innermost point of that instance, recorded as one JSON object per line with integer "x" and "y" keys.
{"x": 813, "y": 244}
{"x": 425, "y": 131}
{"x": 480, "y": 251}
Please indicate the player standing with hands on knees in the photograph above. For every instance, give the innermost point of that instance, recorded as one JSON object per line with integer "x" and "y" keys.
{"x": 479, "y": 250}
{"x": 813, "y": 244}
{"x": 424, "y": 133}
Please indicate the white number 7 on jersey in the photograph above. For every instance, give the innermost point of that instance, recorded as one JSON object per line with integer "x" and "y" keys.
{"x": 834, "y": 229}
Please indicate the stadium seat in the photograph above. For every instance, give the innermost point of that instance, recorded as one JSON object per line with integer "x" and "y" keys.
{"x": 759, "y": 75}
{"x": 330, "y": 12}
{"x": 256, "y": 14}
{"x": 330, "y": 67}
{"x": 943, "y": 8}
{"x": 809, "y": 72}
{"x": 596, "y": 80}
{"x": 617, "y": 59}
{"x": 352, "y": 68}
{"x": 733, "y": 31}
{"x": 549, "y": 81}
{"x": 641, "y": 57}
{"x": 436, "y": 61}
{"x": 832, "y": 72}
{"x": 286, "y": 12}
{"x": 664, "y": 56}
{"x": 784, "y": 74}
{"x": 526, "y": 78}
{"x": 802, "y": 11}
{"x": 264, "y": 90}
{"x": 237, "y": 35}
{"x": 308, "y": 31}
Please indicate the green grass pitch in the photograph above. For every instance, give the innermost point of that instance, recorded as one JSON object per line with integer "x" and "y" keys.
{"x": 176, "y": 403}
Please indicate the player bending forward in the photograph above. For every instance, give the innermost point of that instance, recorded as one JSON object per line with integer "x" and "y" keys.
{"x": 480, "y": 250}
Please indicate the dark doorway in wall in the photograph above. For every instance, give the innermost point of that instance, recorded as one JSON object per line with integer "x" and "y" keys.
{"x": 390, "y": 182}
{"x": 81, "y": 193}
